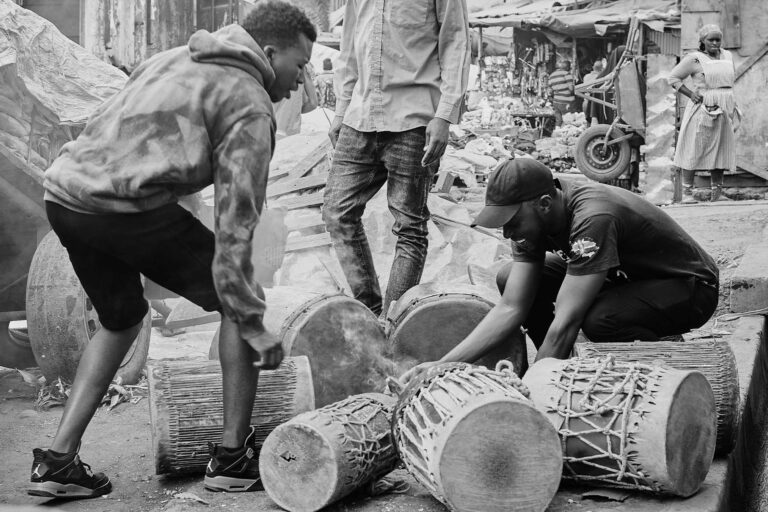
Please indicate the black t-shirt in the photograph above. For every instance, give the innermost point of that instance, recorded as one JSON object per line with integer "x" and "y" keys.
{"x": 612, "y": 229}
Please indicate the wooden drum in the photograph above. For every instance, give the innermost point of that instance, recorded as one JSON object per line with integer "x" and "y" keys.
{"x": 186, "y": 408}
{"x": 321, "y": 456}
{"x": 430, "y": 319}
{"x": 341, "y": 337}
{"x": 628, "y": 425}
{"x": 714, "y": 359}
{"x": 473, "y": 439}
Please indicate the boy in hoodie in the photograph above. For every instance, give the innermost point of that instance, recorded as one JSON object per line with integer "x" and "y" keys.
{"x": 188, "y": 117}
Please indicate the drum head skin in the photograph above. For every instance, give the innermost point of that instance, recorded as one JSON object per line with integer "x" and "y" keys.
{"x": 345, "y": 345}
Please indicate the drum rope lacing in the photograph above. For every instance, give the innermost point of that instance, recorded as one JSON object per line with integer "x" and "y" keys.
{"x": 624, "y": 385}
{"x": 456, "y": 382}
{"x": 714, "y": 359}
{"x": 372, "y": 454}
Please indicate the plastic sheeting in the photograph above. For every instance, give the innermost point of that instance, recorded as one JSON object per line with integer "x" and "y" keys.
{"x": 48, "y": 87}
{"x": 578, "y": 22}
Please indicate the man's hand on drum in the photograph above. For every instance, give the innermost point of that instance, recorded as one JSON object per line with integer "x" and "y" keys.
{"x": 271, "y": 353}
{"x": 416, "y": 371}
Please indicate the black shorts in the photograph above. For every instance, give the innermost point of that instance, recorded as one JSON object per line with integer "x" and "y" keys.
{"x": 109, "y": 252}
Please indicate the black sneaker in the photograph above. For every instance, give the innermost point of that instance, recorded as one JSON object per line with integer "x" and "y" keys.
{"x": 65, "y": 477}
{"x": 233, "y": 470}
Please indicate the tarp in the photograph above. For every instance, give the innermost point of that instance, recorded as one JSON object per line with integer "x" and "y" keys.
{"x": 49, "y": 86}
{"x": 552, "y": 16}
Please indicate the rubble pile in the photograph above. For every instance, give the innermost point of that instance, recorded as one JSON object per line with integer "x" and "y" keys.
{"x": 558, "y": 151}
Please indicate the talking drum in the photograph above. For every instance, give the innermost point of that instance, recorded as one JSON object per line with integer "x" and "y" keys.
{"x": 428, "y": 320}
{"x": 341, "y": 337}
{"x": 321, "y": 456}
{"x": 186, "y": 412}
{"x": 714, "y": 359}
{"x": 473, "y": 439}
{"x": 628, "y": 425}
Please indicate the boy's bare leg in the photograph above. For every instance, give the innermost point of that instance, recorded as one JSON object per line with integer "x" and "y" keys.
{"x": 239, "y": 379}
{"x": 98, "y": 365}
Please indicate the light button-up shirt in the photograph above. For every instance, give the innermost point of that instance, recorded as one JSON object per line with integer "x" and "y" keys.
{"x": 402, "y": 63}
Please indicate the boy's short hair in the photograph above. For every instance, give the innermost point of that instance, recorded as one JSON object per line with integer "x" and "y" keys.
{"x": 278, "y": 23}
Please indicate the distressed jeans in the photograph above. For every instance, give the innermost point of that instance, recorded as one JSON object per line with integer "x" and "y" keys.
{"x": 362, "y": 163}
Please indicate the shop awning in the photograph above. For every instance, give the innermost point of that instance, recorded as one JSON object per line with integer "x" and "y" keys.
{"x": 585, "y": 22}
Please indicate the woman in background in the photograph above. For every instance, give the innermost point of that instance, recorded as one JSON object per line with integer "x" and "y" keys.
{"x": 706, "y": 141}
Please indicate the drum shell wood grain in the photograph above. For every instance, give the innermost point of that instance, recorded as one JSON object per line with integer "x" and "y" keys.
{"x": 713, "y": 358}
{"x": 315, "y": 458}
{"x": 186, "y": 411}
{"x": 432, "y": 318}
{"x": 672, "y": 439}
{"x": 476, "y": 443}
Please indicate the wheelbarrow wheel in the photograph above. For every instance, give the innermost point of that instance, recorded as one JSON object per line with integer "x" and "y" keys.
{"x": 598, "y": 161}
{"x": 62, "y": 320}
{"x": 15, "y": 351}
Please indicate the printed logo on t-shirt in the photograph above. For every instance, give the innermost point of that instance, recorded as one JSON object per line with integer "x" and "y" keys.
{"x": 583, "y": 249}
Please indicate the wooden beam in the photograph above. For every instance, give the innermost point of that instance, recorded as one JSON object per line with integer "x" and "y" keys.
{"x": 313, "y": 199}
{"x": 308, "y": 242}
{"x": 751, "y": 61}
{"x": 22, "y": 200}
{"x": 296, "y": 185}
{"x": 743, "y": 164}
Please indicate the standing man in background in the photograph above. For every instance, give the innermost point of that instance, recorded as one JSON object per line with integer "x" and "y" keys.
{"x": 401, "y": 77}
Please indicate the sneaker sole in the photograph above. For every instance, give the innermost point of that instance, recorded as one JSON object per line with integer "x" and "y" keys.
{"x": 57, "y": 490}
{"x": 231, "y": 484}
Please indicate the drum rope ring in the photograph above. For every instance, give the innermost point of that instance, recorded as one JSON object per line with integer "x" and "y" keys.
{"x": 634, "y": 386}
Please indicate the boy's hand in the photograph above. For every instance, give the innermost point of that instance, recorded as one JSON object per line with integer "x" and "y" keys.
{"x": 270, "y": 351}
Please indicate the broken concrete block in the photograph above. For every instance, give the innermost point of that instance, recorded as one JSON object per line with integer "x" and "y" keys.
{"x": 749, "y": 284}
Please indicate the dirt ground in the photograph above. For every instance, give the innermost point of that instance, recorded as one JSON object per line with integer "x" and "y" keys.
{"x": 118, "y": 442}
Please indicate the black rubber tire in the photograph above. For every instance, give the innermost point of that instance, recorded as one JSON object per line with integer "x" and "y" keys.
{"x": 61, "y": 319}
{"x": 14, "y": 353}
{"x": 597, "y": 163}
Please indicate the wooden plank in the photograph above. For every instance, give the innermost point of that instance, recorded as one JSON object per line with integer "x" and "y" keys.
{"x": 187, "y": 314}
{"x": 306, "y": 164}
{"x": 303, "y": 166}
{"x": 296, "y": 185}
{"x": 751, "y": 61}
{"x": 314, "y": 199}
{"x": 305, "y": 222}
{"x": 308, "y": 242}
{"x": 747, "y": 166}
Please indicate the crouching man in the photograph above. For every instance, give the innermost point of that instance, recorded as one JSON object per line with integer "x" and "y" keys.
{"x": 590, "y": 257}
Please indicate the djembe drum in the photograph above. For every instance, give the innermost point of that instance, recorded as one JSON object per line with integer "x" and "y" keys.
{"x": 186, "y": 408}
{"x": 428, "y": 320}
{"x": 341, "y": 337}
{"x": 472, "y": 437}
{"x": 628, "y": 425}
{"x": 321, "y": 456}
{"x": 714, "y": 359}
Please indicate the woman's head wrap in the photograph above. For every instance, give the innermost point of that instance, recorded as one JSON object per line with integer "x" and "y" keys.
{"x": 709, "y": 29}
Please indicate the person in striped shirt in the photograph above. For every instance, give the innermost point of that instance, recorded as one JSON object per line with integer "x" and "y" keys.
{"x": 562, "y": 85}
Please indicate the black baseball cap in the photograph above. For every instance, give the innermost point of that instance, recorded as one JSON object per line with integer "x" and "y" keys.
{"x": 509, "y": 185}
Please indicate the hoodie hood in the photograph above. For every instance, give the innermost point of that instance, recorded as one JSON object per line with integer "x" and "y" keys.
{"x": 232, "y": 46}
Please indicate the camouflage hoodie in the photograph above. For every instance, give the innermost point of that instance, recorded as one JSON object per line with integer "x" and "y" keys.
{"x": 188, "y": 117}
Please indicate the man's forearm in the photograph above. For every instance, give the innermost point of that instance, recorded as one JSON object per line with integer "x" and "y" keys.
{"x": 559, "y": 340}
{"x": 497, "y": 327}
